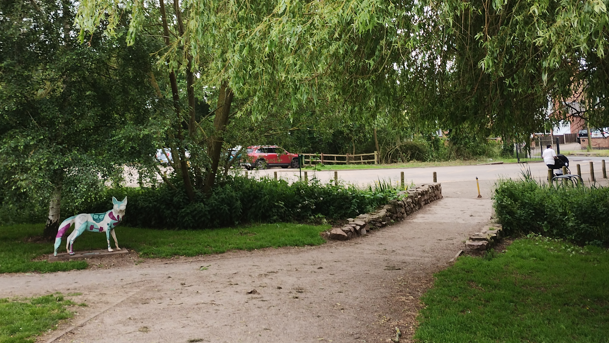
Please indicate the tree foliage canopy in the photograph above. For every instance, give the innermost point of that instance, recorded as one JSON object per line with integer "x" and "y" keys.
{"x": 69, "y": 109}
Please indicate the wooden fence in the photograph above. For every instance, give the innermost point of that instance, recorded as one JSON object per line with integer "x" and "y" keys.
{"x": 311, "y": 159}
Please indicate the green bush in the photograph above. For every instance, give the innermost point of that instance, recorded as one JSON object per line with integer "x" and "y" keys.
{"x": 240, "y": 200}
{"x": 413, "y": 150}
{"x": 578, "y": 214}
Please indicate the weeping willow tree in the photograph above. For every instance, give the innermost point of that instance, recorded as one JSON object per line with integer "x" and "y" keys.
{"x": 508, "y": 67}
{"x": 261, "y": 58}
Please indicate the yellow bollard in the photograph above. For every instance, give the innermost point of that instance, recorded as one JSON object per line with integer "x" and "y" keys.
{"x": 478, "y": 185}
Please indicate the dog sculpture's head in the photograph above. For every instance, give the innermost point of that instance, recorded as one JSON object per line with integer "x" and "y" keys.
{"x": 119, "y": 206}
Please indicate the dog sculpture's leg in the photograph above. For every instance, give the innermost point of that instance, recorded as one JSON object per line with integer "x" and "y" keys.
{"x": 108, "y": 239}
{"x": 115, "y": 241}
{"x": 77, "y": 231}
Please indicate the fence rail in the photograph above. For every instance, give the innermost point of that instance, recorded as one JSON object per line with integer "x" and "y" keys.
{"x": 311, "y": 159}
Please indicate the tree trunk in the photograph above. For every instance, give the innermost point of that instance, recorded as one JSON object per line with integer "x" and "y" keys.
{"x": 589, "y": 137}
{"x": 225, "y": 99}
{"x": 190, "y": 89}
{"x": 376, "y": 143}
{"x": 52, "y": 225}
{"x": 176, "y": 103}
{"x": 190, "y": 79}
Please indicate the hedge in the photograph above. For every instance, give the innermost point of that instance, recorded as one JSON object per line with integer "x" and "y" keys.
{"x": 578, "y": 214}
{"x": 239, "y": 200}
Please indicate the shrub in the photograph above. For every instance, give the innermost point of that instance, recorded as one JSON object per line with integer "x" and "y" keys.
{"x": 578, "y": 214}
{"x": 240, "y": 200}
{"x": 414, "y": 150}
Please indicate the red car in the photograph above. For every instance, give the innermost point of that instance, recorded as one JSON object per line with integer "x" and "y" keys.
{"x": 263, "y": 156}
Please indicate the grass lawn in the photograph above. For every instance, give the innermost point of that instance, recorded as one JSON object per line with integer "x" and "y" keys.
{"x": 415, "y": 164}
{"x": 596, "y": 153}
{"x": 21, "y": 320}
{"x": 17, "y": 249}
{"x": 540, "y": 290}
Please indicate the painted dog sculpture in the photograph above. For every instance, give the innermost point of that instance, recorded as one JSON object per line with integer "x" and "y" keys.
{"x": 94, "y": 222}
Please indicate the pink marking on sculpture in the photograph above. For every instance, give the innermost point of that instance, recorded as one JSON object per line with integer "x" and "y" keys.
{"x": 62, "y": 230}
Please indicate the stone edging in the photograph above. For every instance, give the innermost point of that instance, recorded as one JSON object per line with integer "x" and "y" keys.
{"x": 414, "y": 199}
{"x": 485, "y": 239}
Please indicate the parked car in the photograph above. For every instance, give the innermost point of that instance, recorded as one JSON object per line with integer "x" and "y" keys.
{"x": 164, "y": 155}
{"x": 263, "y": 156}
{"x": 601, "y": 132}
{"x": 595, "y": 133}
{"x": 582, "y": 134}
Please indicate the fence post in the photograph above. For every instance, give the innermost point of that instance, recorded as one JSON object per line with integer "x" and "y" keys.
{"x": 335, "y": 178}
{"x": 322, "y": 158}
{"x": 402, "y": 179}
{"x": 435, "y": 177}
{"x": 592, "y": 172}
{"x": 550, "y": 176}
{"x": 579, "y": 171}
{"x": 306, "y": 177}
{"x": 246, "y": 176}
{"x": 564, "y": 172}
{"x": 604, "y": 170}
{"x": 376, "y": 159}
{"x": 275, "y": 176}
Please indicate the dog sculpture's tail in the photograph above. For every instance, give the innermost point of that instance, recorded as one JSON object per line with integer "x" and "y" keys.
{"x": 63, "y": 227}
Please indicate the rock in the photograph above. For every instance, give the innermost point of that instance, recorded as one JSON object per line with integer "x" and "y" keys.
{"x": 338, "y": 235}
{"x": 347, "y": 229}
{"x": 479, "y": 237}
{"x": 476, "y": 245}
{"x": 359, "y": 222}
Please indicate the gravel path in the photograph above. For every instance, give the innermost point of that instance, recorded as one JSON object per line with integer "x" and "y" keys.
{"x": 355, "y": 291}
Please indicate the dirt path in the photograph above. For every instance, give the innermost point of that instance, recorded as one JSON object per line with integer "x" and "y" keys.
{"x": 355, "y": 291}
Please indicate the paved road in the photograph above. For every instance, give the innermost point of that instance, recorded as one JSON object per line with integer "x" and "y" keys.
{"x": 363, "y": 178}
{"x": 445, "y": 174}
